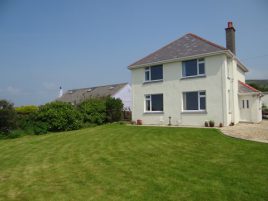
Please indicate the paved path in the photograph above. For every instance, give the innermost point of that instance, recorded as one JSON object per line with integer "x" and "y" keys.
{"x": 254, "y": 132}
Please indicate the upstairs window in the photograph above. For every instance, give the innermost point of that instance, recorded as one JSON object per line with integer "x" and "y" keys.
{"x": 154, "y": 103}
{"x": 194, "y": 101}
{"x": 154, "y": 73}
{"x": 195, "y": 67}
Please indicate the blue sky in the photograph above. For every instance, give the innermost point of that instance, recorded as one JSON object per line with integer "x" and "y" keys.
{"x": 79, "y": 43}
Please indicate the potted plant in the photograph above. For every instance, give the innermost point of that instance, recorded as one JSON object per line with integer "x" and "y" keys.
{"x": 211, "y": 123}
{"x": 139, "y": 122}
{"x": 206, "y": 124}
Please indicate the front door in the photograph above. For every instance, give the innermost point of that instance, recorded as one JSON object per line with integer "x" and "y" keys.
{"x": 245, "y": 109}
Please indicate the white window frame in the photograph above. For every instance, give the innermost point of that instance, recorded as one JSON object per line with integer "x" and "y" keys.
{"x": 148, "y": 69}
{"x": 148, "y": 97}
{"x": 198, "y": 99}
{"x": 199, "y": 61}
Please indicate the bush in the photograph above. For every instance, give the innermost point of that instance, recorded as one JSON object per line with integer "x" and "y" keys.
{"x": 58, "y": 116}
{"x": 7, "y": 116}
{"x": 93, "y": 111}
{"x": 26, "y": 110}
{"x": 40, "y": 128}
{"x": 12, "y": 134}
{"x": 114, "y": 108}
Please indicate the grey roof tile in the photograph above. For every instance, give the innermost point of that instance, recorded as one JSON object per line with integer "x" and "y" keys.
{"x": 188, "y": 45}
{"x": 77, "y": 96}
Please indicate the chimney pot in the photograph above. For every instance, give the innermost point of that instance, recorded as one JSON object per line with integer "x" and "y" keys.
{"x": 230, "y": 24}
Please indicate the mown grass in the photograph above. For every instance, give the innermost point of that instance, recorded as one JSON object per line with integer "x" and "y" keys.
{"x": 118, "y": 162}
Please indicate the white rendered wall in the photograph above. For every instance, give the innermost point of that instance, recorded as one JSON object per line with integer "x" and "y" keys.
{"x": 125, "y": 95}
{"x": 254, "y": 111}
{"x": 172, "y": 88}
{"x": 265, "y": 99}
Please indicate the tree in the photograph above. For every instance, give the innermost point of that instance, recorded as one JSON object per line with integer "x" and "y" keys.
{"x": 59, "y": 116}
{"x": 7, "y": 116}
{"x": 93, "y": 111}
{"x": 114, "y": 108}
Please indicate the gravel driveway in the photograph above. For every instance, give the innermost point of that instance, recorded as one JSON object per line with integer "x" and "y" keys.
{"x": 254, "y": 132}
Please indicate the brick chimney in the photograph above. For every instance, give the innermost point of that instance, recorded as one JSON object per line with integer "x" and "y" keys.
{"x": 230, "y": 37}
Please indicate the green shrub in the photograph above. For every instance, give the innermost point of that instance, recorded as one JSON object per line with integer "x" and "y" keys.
{"x": 26, "y": 110}
{"x": 7, "y": 116}
{"x": 114, "y": 108}
{"x": 40, "y": 128}
{"x": 93, "y": 111}
{"x": 25, "y": 117}
{"x": 12, "y": 134}
{"x": 59, "y": 116}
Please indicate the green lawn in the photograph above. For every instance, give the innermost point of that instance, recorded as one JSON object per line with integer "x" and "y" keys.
{"x": 117, "y": 162}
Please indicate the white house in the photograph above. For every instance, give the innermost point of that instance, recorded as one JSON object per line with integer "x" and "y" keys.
{"x": 265, "y": 99}
{"x": 192, "y": 80}
{"x": 76, "y": 96}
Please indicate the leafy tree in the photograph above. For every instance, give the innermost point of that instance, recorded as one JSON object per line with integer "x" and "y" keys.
{"x": 7, "y": 116}
{"x": 59, "y": 116}
{"x": 26, "y": 109}
{"x": 93, "y": 111}
{"x": 114, "y": 108}
{"x": 25, "y": 117}
{"x": 260, "y": 87}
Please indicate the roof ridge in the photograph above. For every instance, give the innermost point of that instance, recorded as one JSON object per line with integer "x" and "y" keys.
{"x": 123, "y": 83}
{"x": 154, "y": 54}
{"x": 207, "y": 41}
{"x": 248, "y": 86}
{"x": 158, "y": 50}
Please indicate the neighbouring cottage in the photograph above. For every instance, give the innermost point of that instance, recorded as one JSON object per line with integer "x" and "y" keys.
{"x": 265, "y": 99}
{"x": 192, "y": 80}
{"x": 76, "y": 96}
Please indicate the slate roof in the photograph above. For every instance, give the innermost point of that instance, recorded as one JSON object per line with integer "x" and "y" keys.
{"x": 76, "y": 96}
{"x": 188, "y": 45}
{"x": 245, "y": 88}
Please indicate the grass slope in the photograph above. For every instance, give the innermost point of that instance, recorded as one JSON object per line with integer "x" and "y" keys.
{"x": 116, "y": 162}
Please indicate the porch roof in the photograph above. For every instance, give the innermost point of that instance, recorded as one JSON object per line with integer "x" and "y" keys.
{"x": 245, "y": 88}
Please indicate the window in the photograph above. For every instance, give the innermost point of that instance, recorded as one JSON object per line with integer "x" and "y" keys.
{"x": 153, "y": 73}
{"x": 193, "y": 68}
{"x": 194, "y": 101}
{"x": 154, "y": 103}
{"x": 245, "y": 103}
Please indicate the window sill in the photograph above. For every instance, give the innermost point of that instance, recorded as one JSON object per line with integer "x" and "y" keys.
{"x": 194, "y": 112}
{"x": 156, "y": 112}
{"x": 195, "y": 76}
{"x": 152, "y": 81}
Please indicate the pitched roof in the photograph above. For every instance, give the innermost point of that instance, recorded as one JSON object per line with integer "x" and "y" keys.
{"x": 245, "y": 88}
{"x": 188, "y": 45}
{"x": 76, "y": 96}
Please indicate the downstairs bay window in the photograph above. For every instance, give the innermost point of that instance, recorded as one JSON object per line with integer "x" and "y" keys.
{"x": 194, "y": 101}
{"x": 154, "y": 103}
